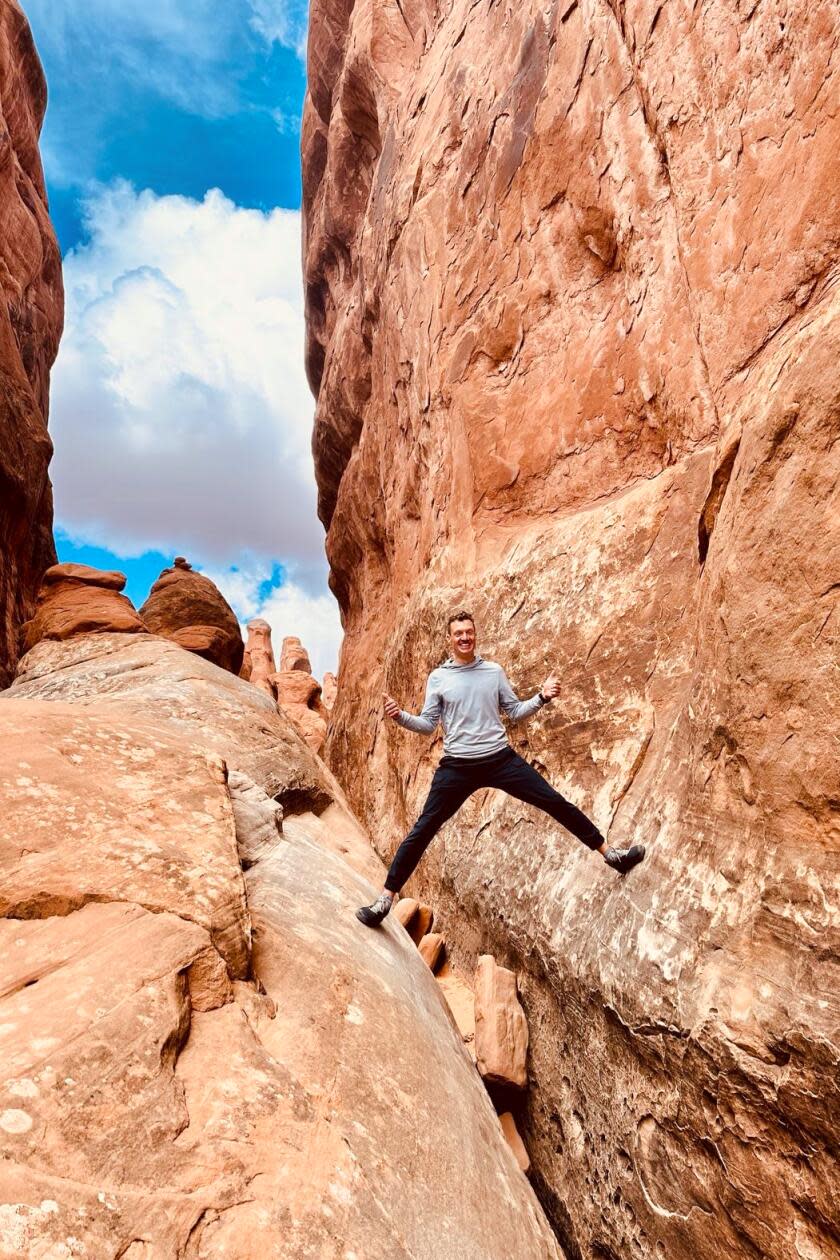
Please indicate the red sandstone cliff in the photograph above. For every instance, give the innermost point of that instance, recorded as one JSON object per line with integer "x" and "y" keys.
{"x": 30, "y": 327}
{"x": 571, "y": 275}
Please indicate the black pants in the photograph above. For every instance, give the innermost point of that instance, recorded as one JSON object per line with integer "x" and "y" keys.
{"x": 456, "y": 778}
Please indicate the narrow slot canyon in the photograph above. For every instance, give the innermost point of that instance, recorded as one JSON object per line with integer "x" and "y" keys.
{"x": 569, "y": 331}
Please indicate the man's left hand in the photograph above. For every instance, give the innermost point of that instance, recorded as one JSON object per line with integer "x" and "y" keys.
{"x": 551, "y": 687}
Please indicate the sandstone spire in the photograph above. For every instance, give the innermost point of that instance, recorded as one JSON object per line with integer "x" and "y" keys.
{"x": 299, "y": 694}
{"x": 260, "y": 655}
{"x": 294, "y": 655}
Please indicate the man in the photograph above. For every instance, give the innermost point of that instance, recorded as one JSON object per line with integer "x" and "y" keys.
{"x": 464, "y": 695}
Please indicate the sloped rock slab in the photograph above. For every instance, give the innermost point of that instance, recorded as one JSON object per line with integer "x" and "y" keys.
{"x": 401, "y": 1154}
{"x": 97, "y": 808}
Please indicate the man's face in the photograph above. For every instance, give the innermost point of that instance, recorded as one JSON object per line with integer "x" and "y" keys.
{"x": 462, "y": 639}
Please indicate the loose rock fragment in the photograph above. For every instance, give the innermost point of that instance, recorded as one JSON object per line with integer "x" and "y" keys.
{"x": 421, "y": 923}
{"x": 501, "y": 1030}
{"x": 514, "y": 1141}
{"x": 431, "y": 948}
{"x": 405, "y": 910}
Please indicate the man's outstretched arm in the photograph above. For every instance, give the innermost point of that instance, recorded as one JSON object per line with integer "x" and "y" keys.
{"x": 517, "y": 709}
{"x": 424, "y": 723}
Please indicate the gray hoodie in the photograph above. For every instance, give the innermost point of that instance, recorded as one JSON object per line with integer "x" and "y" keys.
{"x": 465, "y": 700}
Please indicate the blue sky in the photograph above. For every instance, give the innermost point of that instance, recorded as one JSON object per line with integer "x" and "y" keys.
{"x": 179, "y": 409}
{"x": 170, "y": 95}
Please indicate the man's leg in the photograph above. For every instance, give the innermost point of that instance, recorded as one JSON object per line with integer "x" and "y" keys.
{"x": 450, "y": 788}
{"x": 519, "y": 779}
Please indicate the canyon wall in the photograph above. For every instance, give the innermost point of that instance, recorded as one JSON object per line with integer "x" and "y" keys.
{"x": 573, "y": 328}
{"x": 31, "y": 313}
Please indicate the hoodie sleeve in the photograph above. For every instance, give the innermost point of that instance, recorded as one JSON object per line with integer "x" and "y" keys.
{"x": 426, "y": 722}
{"x": 515, "y": 708}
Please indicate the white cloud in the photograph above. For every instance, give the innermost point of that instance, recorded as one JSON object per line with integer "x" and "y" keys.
{"x": 185, "y": 50}
{"x": 180, "y": 410}
{"x": 282, "y": 22}
{"x": 289, "y": 609}
{"x": 175, "y": 47}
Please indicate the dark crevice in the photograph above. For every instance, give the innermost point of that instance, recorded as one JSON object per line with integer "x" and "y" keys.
{"x": 303, "y": 800}
{"x": 714, "y": 499}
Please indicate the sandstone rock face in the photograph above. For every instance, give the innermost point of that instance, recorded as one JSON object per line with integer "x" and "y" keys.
{"x": 260, "y": 655}
{"x": 76, "y": 599}
{"x": 461, "y": 1002}
{"x": 573, "y": 330}
{"x": 190, "y": 609}
{"x": 204, "y": 1054}
{"x": 31, "y": 316}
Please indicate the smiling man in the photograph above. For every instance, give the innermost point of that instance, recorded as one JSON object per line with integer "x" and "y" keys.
{"x": 465, "y": 696}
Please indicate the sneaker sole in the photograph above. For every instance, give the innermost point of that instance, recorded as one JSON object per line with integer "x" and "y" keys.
{"x": 640, "y": 857}
{"x": 371, "y": 922}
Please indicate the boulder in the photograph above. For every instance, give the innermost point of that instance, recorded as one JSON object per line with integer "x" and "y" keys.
{"x": 501, "y": 1029}
{"x": 85, "y": 575}
{"x": 76, "y": 599}
{"x": 421, "y": 923}
{"x": 31, "y": 317}
{"x": 404, "y": 912}
{"x": 431, "y": 949}
{"x": 189, "y": 608}
{"x": 294, "y": 687}
{"x": 514, "y": 1141}
{"x": 310, "y": 725}
{"x": 299, "y": 695}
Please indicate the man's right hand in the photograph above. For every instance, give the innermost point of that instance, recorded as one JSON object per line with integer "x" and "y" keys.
{"x": 392, "y": 709}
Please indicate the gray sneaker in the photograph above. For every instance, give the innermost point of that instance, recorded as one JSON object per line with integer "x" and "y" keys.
{"x": 623, "y": 860}
{"x": 373, "y": 915}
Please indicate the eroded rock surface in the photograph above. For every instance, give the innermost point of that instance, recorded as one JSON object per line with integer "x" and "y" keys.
{"x": 189, "y": 608}
{"x": 31, "y": 316}
{"x": 573, "y": 328}
{"x": 202, "y": 1059}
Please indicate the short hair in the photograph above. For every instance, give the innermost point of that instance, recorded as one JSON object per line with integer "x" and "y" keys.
{"x": 463, "y": 615}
